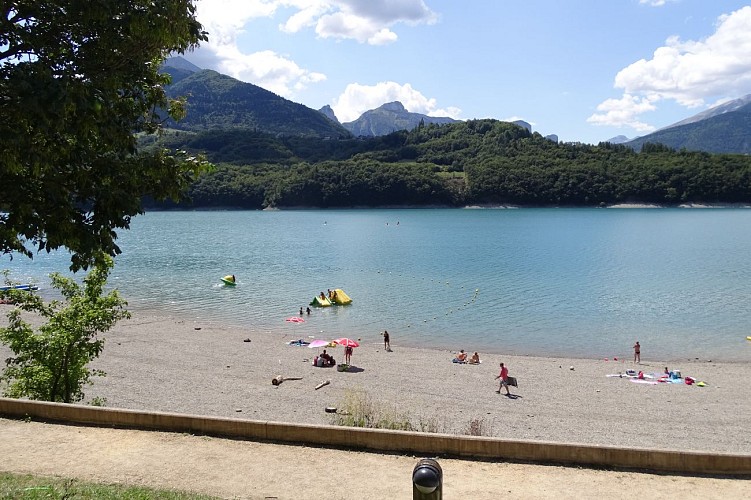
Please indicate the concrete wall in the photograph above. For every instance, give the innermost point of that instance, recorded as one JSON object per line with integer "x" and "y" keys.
{"x": 384, "y": 440}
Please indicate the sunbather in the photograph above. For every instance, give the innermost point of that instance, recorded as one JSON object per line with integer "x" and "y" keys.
{"x": 327, "y": 359}
{"x": 461, "y": 357}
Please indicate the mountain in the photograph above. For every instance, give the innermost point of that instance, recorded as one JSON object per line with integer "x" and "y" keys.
{"x": 328, "y": 113}
{"x": 389, "y": 118}
{"x": 179, "y": 62}
{"x": 618, "y": 139}
{"x": 523, "y": 124}
{"x": 179, "y": 68}
{"x": 728, "y": 107}
{"x": 216, "y": 101}
{"x": 722, "y": 129}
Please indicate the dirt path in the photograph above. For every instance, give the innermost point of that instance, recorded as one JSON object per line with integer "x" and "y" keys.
{"x": 244, "y": 469}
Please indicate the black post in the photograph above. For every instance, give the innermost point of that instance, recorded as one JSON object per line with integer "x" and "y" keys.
{"x": 427, "y": 480}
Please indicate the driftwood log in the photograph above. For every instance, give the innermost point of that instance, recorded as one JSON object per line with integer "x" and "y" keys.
{"x": 324, "y": 383}
{"x": 280, "y": 378}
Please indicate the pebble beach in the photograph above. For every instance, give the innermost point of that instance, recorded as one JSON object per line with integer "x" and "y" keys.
{"x": 161, "y": 362}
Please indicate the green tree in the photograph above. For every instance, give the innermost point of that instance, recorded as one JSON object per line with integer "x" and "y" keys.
{"x": 51, "y": 364}
{"x": 78, "y": 81}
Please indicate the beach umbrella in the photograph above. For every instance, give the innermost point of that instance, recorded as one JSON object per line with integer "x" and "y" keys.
{"x": 347, "y": 342}
{"x": 318, "y": 344}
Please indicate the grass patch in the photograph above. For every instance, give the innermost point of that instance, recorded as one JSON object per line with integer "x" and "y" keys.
{"x": 478, "y": 427}
{"x": 24, "y": 486}
{"x": 358, "y": 410}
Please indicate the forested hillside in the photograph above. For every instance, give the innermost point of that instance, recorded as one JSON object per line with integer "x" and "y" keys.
{"x": 473, "y": 162}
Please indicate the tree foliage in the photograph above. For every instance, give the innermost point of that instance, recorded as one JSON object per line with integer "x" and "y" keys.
{"x": 51, "y": 364}
{"x": 78, "y": 81}
{"x": 473, "y": 162}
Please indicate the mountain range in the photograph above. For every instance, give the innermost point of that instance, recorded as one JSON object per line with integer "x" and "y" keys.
{"x": 388, "y": 118}
{"x": 722, "y": 129}
{"x": 217, "y": 101}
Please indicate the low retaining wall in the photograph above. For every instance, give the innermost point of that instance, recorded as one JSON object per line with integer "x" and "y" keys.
{"x": 385, "y": 440}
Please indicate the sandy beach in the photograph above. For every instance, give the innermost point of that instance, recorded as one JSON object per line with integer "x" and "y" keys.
{"x": 160, "y": 362}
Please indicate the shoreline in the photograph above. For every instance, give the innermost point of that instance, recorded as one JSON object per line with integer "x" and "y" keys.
{"x": 442, "y": 345}
{"x": 170, "y": 363}
{"x": 473, "y": 206}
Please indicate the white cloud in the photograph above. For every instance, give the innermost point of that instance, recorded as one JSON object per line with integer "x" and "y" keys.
{"x": 356, "y": 99}
{"x": 366, "y": 21}
{"x": 266, "y": 69}
{"x": 687, "y": 72}
{"x": 225, "y": 19}
{"x": 623, "y": 112}
{"x": 655, "y": 3}
{"x": 343, "y": 26}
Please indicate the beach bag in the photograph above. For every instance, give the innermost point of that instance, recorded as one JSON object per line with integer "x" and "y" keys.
{"x": 511, "y": 381}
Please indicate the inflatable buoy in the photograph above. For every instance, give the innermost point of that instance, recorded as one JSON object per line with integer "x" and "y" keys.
{"x": 748, "y": 338}
{"x": 229, "y": 280}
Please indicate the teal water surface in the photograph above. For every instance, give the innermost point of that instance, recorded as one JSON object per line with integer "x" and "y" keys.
{"x": 567, "y": 282}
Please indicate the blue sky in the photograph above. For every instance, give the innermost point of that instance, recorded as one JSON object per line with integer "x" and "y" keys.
{"x": 586, "y": 70}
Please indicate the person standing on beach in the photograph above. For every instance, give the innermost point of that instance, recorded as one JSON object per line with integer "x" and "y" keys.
{"x": 504, "y": 380}
{"x": 386, "y": 340}
{"x": 637, "y": 352}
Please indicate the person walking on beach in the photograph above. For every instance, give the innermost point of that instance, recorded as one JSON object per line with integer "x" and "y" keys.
{"x": 637, "y": 352}
{"x": 386, "y": 341}
{"x": 504, "y": 380}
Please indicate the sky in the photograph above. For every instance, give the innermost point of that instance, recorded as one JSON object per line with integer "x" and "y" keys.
{"x": 585, "y": 70}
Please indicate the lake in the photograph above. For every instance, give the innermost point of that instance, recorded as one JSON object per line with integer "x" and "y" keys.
{"x": 562, "y": 282}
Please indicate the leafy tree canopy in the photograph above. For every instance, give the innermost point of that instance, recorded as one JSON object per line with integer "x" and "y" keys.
{"x": 78, "y": 80}
{"x": 51, "y": 364}
{"x": 472, "y": 162}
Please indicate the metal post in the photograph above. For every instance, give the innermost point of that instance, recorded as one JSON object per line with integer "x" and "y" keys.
{"x": 427, "y": 480}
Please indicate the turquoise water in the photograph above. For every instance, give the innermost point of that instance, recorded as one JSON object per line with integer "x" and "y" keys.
{"x": 569, "y": 282}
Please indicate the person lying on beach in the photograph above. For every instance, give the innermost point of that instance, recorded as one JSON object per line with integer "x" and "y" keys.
{"x": 475, "y": 359}
{"x": 461, "y": 357}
